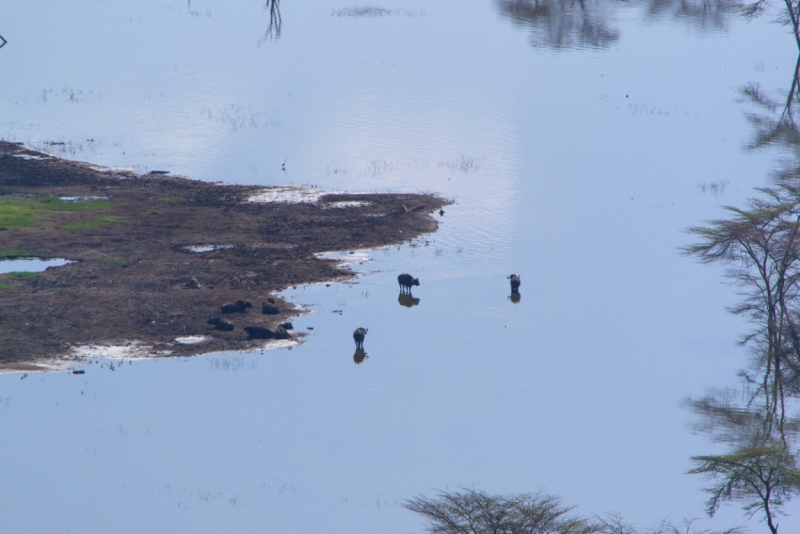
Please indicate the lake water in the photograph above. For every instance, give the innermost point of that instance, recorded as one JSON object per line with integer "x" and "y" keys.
{"x": 577, "y": 147}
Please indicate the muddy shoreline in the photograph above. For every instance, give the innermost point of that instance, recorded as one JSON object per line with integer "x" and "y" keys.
{"x": 135, "y": 255}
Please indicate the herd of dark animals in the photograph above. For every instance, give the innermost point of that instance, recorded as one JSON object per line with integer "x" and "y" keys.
{"x": 253, "y": 332}
{"x": 406, "y": 282}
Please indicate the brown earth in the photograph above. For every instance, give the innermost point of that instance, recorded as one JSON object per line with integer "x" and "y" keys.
{"x": 128, "y": 280}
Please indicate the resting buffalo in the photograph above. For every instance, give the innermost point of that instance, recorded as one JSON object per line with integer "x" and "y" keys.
{"x": 269, "y": 309}
{"x": 281, "y": 333}
{"x": 258, "y": 332}
{"x": 192, "y": 284}
{"x": 406, "y": 281}
{"x": 515, "y": 282}
{"x": 240, "y": 306}
{"x": 359, "y": 336}
{"x": 220, "y": 323}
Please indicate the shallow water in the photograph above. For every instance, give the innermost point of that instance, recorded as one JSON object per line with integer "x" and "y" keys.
{"x": 30, "y": 265}
{"x": 574, "y": 161}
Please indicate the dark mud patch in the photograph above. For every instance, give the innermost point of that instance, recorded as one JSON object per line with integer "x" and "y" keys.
{"x": 132, "y": 271}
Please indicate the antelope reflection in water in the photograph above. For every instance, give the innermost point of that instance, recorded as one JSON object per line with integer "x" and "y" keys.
{"x": 515, "y": 297}
{"x": 360, "y": 356}
{"x": 407, "y": 300}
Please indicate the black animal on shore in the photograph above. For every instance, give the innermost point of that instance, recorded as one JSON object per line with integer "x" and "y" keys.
{"x": 240, "y": 306}
{"x": 406, "y": 281}
{"x": 220, "y": 323}
{"x": 269, "y": 309}
{"x": 359, "y": 336}
{"x": 262, "y": 332}
{"x": 258, "y": 332}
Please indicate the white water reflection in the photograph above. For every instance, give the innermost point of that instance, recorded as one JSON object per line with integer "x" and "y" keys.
{"x": 578, "y": 169}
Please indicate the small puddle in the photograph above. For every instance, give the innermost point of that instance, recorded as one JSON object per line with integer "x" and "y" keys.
{"x": 80, "y": 199}
{"x": 341, "y": 204}
{"x": 29, "y": 265}
{"x": 345, "y": 258}
{"x": 205, "y": 248}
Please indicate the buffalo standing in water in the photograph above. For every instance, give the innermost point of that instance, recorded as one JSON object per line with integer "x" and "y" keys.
{"x": 406, "y": 281}
{"x": 358, "y": 337}
{"x": 515, "y": 283}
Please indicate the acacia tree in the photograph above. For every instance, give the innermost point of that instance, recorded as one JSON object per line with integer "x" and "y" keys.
{"x": 474, "y": 512}
{"x": 765, "y": 477}
{"x": 471, "y": 511}
{"x": 760, "y": 246}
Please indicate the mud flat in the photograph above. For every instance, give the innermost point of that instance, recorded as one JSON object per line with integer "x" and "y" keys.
{"x": 154, "y": 256}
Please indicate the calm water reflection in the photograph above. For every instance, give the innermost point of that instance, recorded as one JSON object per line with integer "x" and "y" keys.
{"x": 579, "y": 169}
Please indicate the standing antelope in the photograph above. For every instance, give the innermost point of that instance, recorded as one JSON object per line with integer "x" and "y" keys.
{"x": 359, "y": 336}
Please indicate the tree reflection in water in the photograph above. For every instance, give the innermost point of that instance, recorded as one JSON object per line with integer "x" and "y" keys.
{"x": 274, "y": 28}
{"x": 760, "y": 246}
{"x": 590, "y": 23}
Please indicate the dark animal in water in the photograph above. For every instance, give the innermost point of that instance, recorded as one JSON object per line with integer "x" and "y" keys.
{"x": 258, "y": 332}
{"x": 221, "y": 324}
{"x": 515, "y": 282}
{"x": 240, "y": 306}
{"x": 406, "y": 281}
{"x": 407, "y": 300}
{"x": 359, "y": 336}
{"x": 269, "y": 309}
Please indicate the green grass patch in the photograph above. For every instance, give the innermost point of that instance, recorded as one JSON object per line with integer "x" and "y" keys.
{"x": 23, "y": 212}
{"x": 14, "y": 252}
{"x": 171, "y": 198}
{"x": 99, "y": 222}
{"x": 18, "y": 275}
{"x": 111, "y": 261}
{"x": 5, "y": 286}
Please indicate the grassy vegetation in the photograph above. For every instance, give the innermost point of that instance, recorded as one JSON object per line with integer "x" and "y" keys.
{"x": 23, "y": 212}
{"x": 14, "y": 252}
{"x": 111, "y": 261}
{"x": 171, "y": 198}
{"x": 7, "y": 279}
{"x": 99, "y": 222}
{"x": 18, "y": 275}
